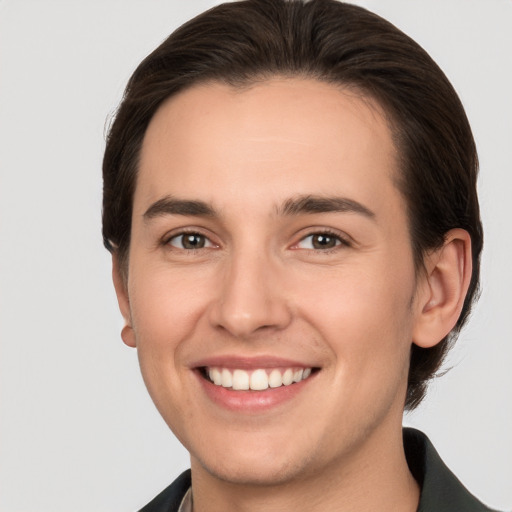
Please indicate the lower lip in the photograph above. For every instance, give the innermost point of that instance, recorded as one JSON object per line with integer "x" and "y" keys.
{"x": 252, "y": 401}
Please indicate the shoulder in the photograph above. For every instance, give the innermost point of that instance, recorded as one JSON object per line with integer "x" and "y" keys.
{"x": 169, "y": 500}
{"x": 441, "y": 490}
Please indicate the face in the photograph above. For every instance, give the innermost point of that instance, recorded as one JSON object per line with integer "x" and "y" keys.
{"x": 271, "y": 285}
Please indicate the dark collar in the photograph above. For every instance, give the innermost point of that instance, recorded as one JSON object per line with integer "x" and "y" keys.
{"x": 441, "y": 491}
{"x": 169, "y": 500}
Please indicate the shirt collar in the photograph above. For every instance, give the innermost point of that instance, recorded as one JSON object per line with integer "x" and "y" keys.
{"x": 441, "y": 491}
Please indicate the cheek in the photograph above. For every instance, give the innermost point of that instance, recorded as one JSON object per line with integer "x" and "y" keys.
{"x": 166, "y": 309}
{"x": 364, "y": 313}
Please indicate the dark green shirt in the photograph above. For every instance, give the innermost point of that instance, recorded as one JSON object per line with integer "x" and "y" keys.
{"x": 441, "y": 491}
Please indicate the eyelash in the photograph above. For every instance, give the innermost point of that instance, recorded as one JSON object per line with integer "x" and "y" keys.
{"x": 167, "y": 240}
{"x": 340, "y": 241}
{"x": 343, "y": 242}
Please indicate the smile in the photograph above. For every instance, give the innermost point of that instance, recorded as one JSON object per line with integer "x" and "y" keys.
{"x": 254, "y": 385}
{"x": 256, "y": 380}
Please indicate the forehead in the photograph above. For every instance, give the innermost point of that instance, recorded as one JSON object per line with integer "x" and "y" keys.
{"x": 275, "y": 138}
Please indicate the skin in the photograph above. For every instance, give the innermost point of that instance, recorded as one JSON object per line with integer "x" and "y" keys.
{"x": 261, "y": 287}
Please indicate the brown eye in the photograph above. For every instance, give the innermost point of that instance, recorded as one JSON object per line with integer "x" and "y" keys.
{"x": 320, "y": 241}
{"x": 324, "y": 241}
{"x": 190, "y": 241}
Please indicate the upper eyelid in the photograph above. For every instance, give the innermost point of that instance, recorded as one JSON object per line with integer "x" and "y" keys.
{"x": 166, "y": 242}
{"x": 341, "y": 236}
{"x": 185, "y": 231}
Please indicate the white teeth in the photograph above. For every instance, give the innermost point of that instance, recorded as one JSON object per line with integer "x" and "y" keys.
{"x": 257, "y": 380}
{"x": 227, "y": 378}
{"x": 215, "y": 375}
{"x": 288, "y": 377}
{"x": 240, "y": 380}
{"x": 275, "y": 380}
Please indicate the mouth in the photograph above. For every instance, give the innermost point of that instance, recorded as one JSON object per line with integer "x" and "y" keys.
{"x": 253, "y": 385}
{"x": 258, "y": 379}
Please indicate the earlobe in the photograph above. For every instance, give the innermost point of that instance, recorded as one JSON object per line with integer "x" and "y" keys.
{"x": 443, "y": 289}
{"x": 127, "y": 334}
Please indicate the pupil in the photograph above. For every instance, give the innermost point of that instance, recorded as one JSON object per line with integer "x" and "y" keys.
{"x": 193, "y": 241}
{"x": 323, "y": 242}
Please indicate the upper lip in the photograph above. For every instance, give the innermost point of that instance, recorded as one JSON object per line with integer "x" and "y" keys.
{"x": 250, "y": 363}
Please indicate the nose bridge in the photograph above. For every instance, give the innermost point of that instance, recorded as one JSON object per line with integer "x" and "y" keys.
{"x": 250, "y": 298}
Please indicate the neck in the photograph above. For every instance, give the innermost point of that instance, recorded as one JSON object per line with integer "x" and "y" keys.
{"x": 374, "y": 477}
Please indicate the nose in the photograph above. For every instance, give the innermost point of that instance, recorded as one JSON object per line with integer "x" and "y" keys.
{"x": 251, "y": 297}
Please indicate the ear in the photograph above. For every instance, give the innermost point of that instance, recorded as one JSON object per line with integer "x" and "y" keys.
{"x": 120, "y": 285}
{"x": 443, "y": 289}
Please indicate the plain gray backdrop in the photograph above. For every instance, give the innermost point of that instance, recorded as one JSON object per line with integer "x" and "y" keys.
{"x": 78, "y": 431}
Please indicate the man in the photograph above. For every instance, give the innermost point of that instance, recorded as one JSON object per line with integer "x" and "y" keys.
{"x": 290, "y": 201}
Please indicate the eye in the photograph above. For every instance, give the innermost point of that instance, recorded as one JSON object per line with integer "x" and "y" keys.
{"x": 321, "y": 241}
{"x": 190, "y": 241}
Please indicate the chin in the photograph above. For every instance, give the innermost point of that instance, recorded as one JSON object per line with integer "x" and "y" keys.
{"x": 260, "y": 471}
{"x": 253, "y": 460}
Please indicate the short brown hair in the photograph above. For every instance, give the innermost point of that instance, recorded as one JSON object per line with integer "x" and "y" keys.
{"x": 238, "y": 43}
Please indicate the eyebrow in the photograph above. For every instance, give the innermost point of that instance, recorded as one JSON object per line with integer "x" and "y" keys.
{"x": 171, "y": 206}
{"x": 303, "y": 204}
{"x": 323, "y": 204}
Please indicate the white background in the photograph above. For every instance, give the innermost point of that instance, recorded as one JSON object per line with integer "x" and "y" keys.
{"x": 78, "y": 431}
